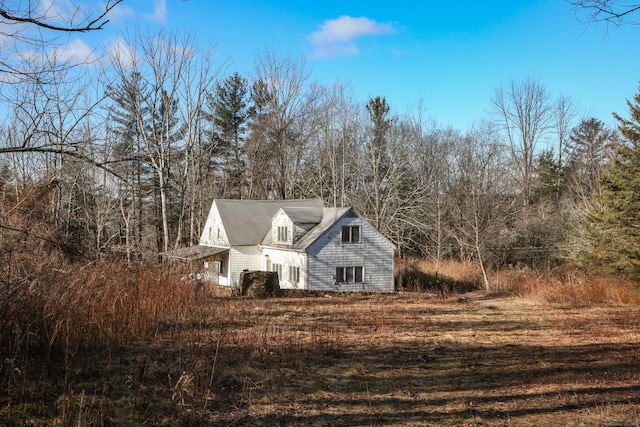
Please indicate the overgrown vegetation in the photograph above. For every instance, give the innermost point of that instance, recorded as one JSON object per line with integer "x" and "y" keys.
{"x": 114, "y": 344}
{"x": 94, "y": 332}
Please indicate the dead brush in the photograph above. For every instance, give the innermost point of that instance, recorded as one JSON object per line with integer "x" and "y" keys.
{"x": 57, "y": 313}
{"x": 567, "y": 286}
{"x": 444, "y": 277}
{"x": 580, "y": 288}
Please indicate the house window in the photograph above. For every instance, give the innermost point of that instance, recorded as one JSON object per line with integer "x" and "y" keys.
{"x": 282, "y": 234}
{"x": 351, "y": 234}
{"x": 278, "y": 269}
{"x": 349, "y": 275}
{"x": 294, "y": 274}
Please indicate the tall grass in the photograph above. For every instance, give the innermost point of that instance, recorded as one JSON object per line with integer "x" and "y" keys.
{"x": 444, "y": 277}
{"x": 562, "y": 285}
{"x": 570, "y": 286}
{"x": 60, "y": 311}
{"x": 192, "y": 347}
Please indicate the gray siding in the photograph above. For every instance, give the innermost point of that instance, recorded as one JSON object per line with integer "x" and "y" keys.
{"x": 374, "y": 253}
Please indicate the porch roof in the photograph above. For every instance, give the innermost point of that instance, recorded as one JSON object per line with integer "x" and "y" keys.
{"x": 193, "y": 253}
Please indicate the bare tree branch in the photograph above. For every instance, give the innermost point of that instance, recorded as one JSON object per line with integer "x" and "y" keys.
{"x": 29, "y": 16}
{"x": 608, "y": 11}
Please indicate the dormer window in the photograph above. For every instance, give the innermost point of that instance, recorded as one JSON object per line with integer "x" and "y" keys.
{"x": 351, "y": 234}
{"x": 283, "y": 234}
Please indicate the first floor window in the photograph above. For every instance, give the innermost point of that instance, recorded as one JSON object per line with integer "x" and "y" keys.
{"x": 349, "y": 275}
{"x": 294, "y": 274}
{"x": 278, "y": 269}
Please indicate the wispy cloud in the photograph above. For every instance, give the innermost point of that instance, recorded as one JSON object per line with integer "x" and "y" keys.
{"x": 76, "y": 51}
{"x": 120, "y": 13}
{"x": 122, "y": 54}
{"x": 159, "y": 11}
{"x": 337, "y": 37}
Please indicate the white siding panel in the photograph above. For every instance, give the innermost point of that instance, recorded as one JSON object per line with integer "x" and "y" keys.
{"x": 281, "y": 220}
{"x": 374, "y": 253}
{"x": 243, "y": 258}
{"x": 287, "y": 259}
{"x": 213, "y": 233}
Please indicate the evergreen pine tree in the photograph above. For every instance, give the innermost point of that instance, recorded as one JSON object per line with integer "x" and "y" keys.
{"x": 615, "y": 232}
{"x": 123, "y": 123}
{"x": 229, "y": 116}
{"x": 377, "y": 155}
{"x": 588, "y": 151}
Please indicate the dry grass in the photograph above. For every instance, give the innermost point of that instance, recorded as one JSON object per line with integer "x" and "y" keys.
{"x": 128, "y": 346}
{"x": 566, "y": 285}
{"x": 445, "y": 277}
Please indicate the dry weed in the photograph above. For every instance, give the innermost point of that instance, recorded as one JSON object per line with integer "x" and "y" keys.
{"x": 129, "y": 345}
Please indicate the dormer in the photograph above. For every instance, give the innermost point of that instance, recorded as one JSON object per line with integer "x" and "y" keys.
{"x": 289, "y": 224}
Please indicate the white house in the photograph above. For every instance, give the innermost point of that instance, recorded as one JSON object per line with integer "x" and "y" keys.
{"x": 310, "y": 246}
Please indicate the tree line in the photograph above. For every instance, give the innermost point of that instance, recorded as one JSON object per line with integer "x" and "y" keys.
{"x": 123, "y": 160}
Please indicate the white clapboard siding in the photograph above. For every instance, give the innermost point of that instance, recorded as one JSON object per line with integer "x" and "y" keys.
{"x": 214, "y": 233}
{"x": 374, "y": 253}
{"x": 286, "y": 259}
{"x": 243, "y": 258}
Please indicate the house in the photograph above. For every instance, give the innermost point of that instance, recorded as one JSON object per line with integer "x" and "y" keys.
{"x": 310, "y": 246}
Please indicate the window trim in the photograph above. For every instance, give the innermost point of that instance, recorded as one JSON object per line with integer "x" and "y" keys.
{"x": 352, "y": 274}
{"x": 278, "y": 269}
{"x": 294, "y": 274}
{"x": 282, "y": 234}
{"x": 347, "y": 234}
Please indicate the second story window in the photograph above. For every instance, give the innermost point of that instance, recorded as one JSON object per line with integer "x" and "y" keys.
{"x": 283, "y": 234}
{"x": 351, "y": 234}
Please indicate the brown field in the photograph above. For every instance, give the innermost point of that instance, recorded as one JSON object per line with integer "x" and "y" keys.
{"x": 413, "y": 358}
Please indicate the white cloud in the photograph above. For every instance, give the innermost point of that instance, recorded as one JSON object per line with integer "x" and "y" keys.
{"x": 337, "y": 37}
{"x": 76, "y": 51}
{"x": 159, "y": 11}
{"x": 56, "y": 11}
{"x": 120, "y": 13}
{"x": 122, "y": 54}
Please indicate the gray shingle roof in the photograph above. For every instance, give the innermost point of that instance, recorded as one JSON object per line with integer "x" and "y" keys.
{"x": 329, "y": 217}
{"x": 193, "y": 253}
{"x": 304, "y": 215}
{"x": 247, "y": 222}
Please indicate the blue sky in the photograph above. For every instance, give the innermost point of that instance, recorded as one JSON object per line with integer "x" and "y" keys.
{"x": 450, "y": 55}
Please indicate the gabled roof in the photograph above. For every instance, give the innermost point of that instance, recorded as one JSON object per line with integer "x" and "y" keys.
{"x": 247, "y": 222}
{"x": 329, "y": 217}
{"x": 304, "y": 215}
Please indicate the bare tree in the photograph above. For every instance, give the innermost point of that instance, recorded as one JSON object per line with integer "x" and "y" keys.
{"x": 45, "y": 15}
{"x": 434, "y": 164}
{"x": 480, "y": 200}
{"x": 524, "y": 112}
{"x": 330, "y": 166}
{"x": 609, "y": 11}
{"x": 284, "y": 118}
{"x": 163, "y": 114}
{"x": 198, "y": 79}
{"x": 29, "y": 29}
